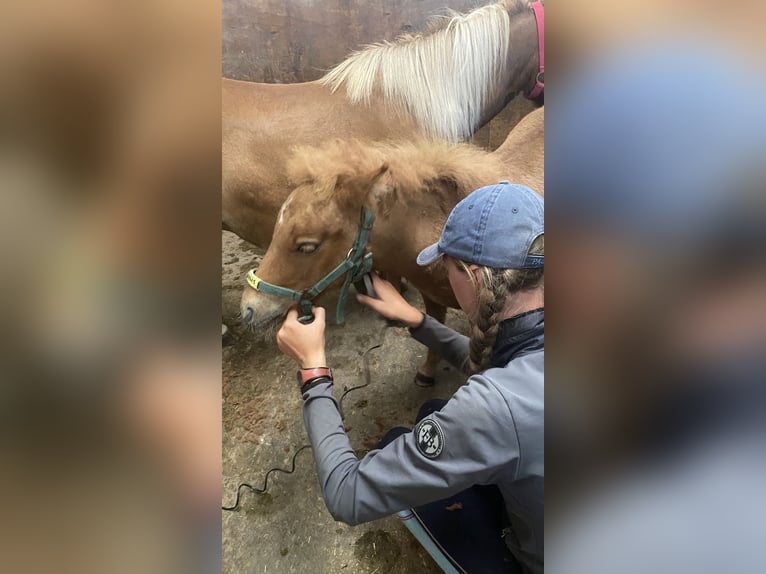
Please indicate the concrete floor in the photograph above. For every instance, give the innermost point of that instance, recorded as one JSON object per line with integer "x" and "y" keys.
{"x": 289, "y": 529}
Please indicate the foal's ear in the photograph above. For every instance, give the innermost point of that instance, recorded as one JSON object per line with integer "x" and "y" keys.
{"x": 382, "y": 192}
{"x": 374, "y": 189}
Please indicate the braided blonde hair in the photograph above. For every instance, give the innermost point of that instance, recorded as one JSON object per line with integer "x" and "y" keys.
{"x": 493, "y": 299}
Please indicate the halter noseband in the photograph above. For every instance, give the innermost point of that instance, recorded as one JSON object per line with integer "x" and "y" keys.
{"x": 539, "y": 11}
{"x": 355, "y": 266}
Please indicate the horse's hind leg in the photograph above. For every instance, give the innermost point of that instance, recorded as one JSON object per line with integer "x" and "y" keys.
{"x": 426, "y": 374}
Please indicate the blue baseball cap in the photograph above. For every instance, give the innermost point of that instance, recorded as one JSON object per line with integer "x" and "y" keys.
{"x": 494, "y": 226}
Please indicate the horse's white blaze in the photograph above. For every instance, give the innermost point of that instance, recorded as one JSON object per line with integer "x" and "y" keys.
{"x": 446, "y": 95}
{"x": 282, "y": 210}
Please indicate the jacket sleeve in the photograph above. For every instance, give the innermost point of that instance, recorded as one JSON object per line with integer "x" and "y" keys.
{"x": 477, "y": 439}
{"x": 451, "y": 345}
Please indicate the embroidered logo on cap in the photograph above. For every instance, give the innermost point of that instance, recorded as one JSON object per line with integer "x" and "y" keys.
{"x": 430, "y": 438}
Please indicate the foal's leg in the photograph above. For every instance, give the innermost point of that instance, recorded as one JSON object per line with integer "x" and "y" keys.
{"x": 426, "y": 374}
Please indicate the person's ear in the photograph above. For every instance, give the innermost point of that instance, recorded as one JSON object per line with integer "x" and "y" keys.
{"x": 478, "y": 275}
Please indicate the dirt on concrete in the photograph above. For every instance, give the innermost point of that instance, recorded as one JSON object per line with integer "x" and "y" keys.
{"x": 289, "y": 529}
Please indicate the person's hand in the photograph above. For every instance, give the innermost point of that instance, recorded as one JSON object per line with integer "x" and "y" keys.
{"x": 391, "y": 304}
{"x": 304, "y": 343}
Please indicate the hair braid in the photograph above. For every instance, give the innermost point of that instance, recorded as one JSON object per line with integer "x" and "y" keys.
{"x": 484, "y": 328}
{"x": 493, "y": 299}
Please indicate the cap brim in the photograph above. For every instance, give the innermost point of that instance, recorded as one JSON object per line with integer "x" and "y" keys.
{"x": 429, "y": 255}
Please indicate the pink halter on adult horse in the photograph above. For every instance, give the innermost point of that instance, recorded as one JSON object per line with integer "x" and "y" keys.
{"x": 444, "y": 82}
{"x": 409, "y": 188}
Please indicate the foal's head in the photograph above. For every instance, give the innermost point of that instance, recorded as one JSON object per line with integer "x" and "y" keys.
{"x": 315, "y": 229}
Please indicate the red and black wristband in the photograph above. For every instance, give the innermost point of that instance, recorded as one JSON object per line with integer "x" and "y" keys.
{"x": 309, "y": 378}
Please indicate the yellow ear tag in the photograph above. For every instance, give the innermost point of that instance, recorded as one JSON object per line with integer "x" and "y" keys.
{"x": 253, "y": 280}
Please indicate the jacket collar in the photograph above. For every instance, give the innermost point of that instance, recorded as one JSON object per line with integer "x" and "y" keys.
{"x": 517, "y": 336}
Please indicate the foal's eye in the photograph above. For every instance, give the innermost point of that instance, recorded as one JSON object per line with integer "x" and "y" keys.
{"x": 307, "y": 247}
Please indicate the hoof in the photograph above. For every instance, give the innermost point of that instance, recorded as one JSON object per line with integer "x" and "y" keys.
{"x": 422, "y": 380}
{"x": 225, "y": 335}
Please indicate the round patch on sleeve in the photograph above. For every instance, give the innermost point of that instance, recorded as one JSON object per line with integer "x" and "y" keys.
{"x": 430, "y": 438}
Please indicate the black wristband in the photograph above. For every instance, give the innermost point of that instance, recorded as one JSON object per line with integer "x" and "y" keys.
{"x": 313, "y": 382}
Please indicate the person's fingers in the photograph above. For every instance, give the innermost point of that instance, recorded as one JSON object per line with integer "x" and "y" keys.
{"x": 292, "y": 315}
{"x": 379, "y": 306}
{"x": 371, "y": 302}
{"x": 319, "y": 313}
{"x": 379, "y": 283}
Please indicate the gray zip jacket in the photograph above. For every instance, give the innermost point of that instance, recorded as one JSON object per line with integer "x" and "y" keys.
{"x": 490, "y": 432}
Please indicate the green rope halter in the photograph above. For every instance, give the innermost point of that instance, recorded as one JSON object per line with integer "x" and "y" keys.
{"x": 355, "y": 266}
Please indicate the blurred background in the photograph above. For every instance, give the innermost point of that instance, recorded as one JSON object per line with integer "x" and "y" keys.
{"x": 655, "y": 387}
{"x": 110, "y": 393}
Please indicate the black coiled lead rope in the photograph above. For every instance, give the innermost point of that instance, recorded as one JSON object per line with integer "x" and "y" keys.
{"x": 263, "y": 490}
{"x": 367, "y": 379}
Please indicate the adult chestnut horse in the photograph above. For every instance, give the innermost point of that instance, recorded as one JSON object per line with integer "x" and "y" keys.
{"x": 411, "y": 187}
{"x": 445, "y": 82}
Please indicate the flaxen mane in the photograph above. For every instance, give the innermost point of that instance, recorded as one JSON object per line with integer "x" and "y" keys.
{"x": 413, "y": 166}
{"x": 442, "y": 75}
